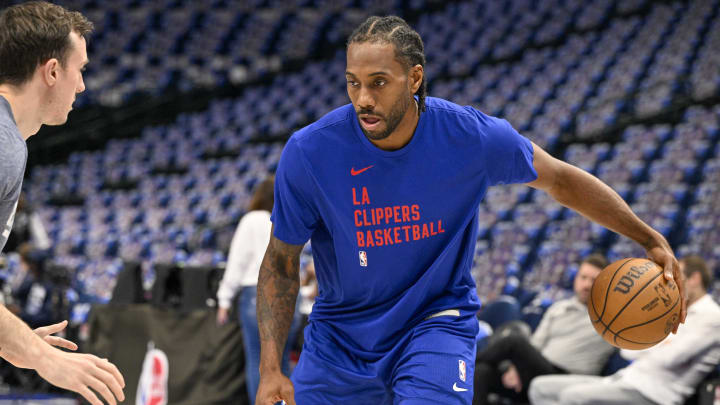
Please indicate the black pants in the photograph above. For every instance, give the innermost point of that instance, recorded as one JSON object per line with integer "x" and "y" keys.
{"x": 528, "y": 361}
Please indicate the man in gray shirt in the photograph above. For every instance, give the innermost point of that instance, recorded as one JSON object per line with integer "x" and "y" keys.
{"x": 42, "y": 56}
{"x": 565, "y": 341}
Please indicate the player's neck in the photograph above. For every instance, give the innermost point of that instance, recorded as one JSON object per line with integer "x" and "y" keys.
{"x": 25, "y": 107}
{"x": 693, "y": 298}
{"x": 403, "y": 133}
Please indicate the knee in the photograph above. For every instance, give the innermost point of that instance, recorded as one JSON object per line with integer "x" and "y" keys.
{"x": 508, "y": 341}
{"x": 514, "y": 339}
{"x": 549, "y": 390}
{"x": 571, "y": 396}
{"x": 537, "y": 392}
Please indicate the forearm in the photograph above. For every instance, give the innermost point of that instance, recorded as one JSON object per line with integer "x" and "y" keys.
{"x": 584, "y": 193}
{"x": 277, "y": 291}
{"x": 688, "y": 347}
{"x": 19, "y": 345}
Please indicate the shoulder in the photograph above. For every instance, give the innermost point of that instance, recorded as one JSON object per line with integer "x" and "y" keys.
{"x": 256, "y": 216}
{"x": 563, "y": 305}
{"x": 710, "y": 310}
{"x": 10, "y": 141}
{"x": 436, "y": 105}
{"x": 466, "y": 121}
{"x": 332, "y": 123}
{"x": 252, "y": 221}
{"x": 13, "y": 152}
{"x": 444, "y": 108}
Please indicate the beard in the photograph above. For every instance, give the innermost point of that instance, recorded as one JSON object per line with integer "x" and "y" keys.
{"x": 397, "y": 112}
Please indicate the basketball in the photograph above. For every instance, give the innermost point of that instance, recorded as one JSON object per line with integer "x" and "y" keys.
{"x": 631, "y": 304}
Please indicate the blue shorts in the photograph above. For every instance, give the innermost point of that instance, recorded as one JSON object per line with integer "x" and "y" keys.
{"x": 432, "y": 363}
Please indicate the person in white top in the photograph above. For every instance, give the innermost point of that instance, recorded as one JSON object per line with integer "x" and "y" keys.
{"x": 247, "y": 249}
{"x": 666, "y": 374}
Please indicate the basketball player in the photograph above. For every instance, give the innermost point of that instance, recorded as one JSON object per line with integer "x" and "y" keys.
{"x": 388, "y": 189}
{"x": 42, "y": 55}
{"x": 665, "y": 374}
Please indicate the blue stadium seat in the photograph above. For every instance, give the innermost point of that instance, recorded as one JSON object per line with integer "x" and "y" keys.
{"x": 496, "y": 313}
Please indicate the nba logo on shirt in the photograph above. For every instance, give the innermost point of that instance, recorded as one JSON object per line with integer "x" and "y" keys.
{"x": 461, "y": 367}
{"x": 363, "y": 258}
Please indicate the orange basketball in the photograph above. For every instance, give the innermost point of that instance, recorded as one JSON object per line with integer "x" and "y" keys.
{"x": 631, "y": 304}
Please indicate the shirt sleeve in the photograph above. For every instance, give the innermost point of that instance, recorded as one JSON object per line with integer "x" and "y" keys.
{"x": 294, "y": 214}
{"x": 12, "y": 167}
{"x": 237, "y": 263}
{"x": 686, "y": 347}
{"x": 507, "y": 155}
{"x": 7, "y": 215}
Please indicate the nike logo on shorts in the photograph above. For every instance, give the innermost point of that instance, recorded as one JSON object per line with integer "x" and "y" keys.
{"x": 458, "y": 389}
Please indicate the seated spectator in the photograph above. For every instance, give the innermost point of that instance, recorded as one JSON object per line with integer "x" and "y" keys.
{"x": 564, "y": 342}
{"x": 33, "y": 299}
{"x": 27, "y": 228}
{"x": 665, "y": 374}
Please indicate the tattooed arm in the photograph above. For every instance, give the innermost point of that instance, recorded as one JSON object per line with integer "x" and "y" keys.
{"x": 277, "y": 291}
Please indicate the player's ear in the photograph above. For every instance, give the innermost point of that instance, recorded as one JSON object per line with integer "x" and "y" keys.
{"x": 415, "y": 77}
{"x": 49, "y": 71}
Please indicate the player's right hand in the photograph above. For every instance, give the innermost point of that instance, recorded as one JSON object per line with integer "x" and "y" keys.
{"x": 665, "y": 258}
{"x": 274, "y": 388}
{"x": 80, "y": 372}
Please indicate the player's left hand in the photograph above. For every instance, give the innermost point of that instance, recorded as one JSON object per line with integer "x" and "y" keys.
{"x": 46, "y": 333}
{"x": 665, "y": 258}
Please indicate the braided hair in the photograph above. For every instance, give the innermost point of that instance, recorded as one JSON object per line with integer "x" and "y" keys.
{"x": 394, "y": 30}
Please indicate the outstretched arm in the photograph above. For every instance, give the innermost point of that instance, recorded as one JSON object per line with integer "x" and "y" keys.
{"x": 18, "y": 344}
{"x": 277, "y": 290}
{"x": 73, "y": 371}
{"x": 579, "y": 190}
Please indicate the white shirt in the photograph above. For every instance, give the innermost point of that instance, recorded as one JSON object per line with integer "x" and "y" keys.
{"x": 669, "y": 372}
{"x": 247, "y": 250}
{"x": 566, "y": 337}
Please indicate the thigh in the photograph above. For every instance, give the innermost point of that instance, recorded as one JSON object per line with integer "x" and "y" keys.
{"x": 248, "y": 320}
{"x": 250, "y": 339}
{"x": 602, "y": 391}
{"x": 547, "y": 389}
{"x": 317, "y": 381}
{"x": 436, "y": 367}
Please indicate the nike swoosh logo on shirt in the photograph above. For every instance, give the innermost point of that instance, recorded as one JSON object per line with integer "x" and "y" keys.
{"x": 354, "y": 172}
{"x": 456, "y": 388}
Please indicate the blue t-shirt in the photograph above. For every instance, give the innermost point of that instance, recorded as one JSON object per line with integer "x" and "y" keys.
{"x": 393, "y": 232}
